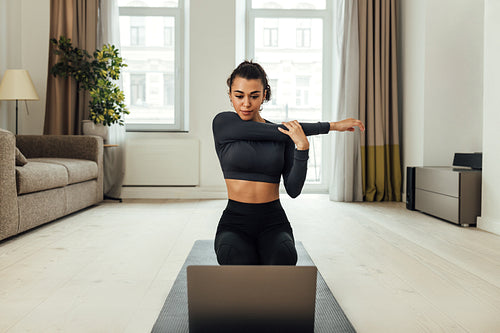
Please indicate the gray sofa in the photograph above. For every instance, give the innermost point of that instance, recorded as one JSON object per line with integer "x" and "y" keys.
{"x": 64, "y": 174}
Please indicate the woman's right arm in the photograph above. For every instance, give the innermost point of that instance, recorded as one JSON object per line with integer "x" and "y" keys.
{"x": 347, "y": 125}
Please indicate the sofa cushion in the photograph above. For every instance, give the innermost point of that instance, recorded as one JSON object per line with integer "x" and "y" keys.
{"x": 79, "y": 170}
{"x": 20, "y": 159}
{"x": 38, "y": 176}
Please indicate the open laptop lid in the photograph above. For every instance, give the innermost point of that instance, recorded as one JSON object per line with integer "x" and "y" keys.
{"x": 251, "y": 298}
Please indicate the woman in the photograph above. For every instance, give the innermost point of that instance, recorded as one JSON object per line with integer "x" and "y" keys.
{"x": 254, "y": 153}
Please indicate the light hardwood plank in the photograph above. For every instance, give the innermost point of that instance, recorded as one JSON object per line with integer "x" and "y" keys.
{"x": 392, "y": 270}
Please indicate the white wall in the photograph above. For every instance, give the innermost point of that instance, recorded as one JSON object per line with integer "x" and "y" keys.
{"x": 441, "y": 79}
{"x": 26, "y": 27}
{"x": 453, "y": 88}
{"x": 34, "y": 57}
{"x": 490, "y": 211}
{"x": 441, "y": 62}
{"x": 412, "y": 80}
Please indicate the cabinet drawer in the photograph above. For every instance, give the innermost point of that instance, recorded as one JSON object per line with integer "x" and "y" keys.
{"x": 438, "y": 180}
{"x": 439, "y": 205}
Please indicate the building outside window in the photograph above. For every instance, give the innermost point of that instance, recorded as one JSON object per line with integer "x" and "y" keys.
{"x": 151, "y": 37}
{"x": 168, "y": 35}
{"x": 302, "y": 86}
{"x": 301, "y": 61}
{"x": 137, "y": 89}
{"x": 168, "y": 85}
{"x": 273, "y": 83}
{"x": 137, "y": 31}
{"x": 303, "y": 37}
{"x": 270, "y": 37}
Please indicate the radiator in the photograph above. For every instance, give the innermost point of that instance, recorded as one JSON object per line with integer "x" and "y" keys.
{"x": 162, "y": 162}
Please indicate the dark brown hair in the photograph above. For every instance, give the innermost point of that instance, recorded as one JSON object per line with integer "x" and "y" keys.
{"x": 251, "y": 70}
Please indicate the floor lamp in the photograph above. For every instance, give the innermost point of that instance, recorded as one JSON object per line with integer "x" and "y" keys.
{"x": 17, "y": 86}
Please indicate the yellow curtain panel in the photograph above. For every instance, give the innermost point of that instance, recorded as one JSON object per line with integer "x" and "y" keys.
{"x": 380, "y": 149}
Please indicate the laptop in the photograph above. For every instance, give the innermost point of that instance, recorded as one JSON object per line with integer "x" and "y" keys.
{"x": 251, "y": 298}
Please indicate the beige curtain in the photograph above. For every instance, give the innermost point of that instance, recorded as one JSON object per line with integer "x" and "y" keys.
{"x": 378, "y": 106}
{"x": 346, "y": 179}
{"x": 65, "y": 107}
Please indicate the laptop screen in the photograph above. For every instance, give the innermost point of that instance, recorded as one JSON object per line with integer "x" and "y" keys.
{"x": 251, "y": 298}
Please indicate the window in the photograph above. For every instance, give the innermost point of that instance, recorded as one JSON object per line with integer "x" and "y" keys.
{"x": 152, "y": 45}
{"x": 303, "y": 37}
{"x": 293, "y": 40}
{"x": 137, "y": 31}
{"x": 302, "y": 90}
{"x": 270, "y": 37}
{"x": 137, "y": 89}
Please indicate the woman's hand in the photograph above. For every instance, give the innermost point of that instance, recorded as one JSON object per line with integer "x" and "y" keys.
{"x": 347, "y": 125}
{"x": 296, "y": 133}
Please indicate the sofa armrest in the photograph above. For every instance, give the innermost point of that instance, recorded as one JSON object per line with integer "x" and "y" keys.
{"x": 8, "y": 192}
{"x": 87, "y": 147}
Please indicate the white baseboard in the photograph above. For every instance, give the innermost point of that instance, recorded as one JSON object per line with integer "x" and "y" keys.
{"x": 489, "y": 224}
{"x": 164, "y": 192}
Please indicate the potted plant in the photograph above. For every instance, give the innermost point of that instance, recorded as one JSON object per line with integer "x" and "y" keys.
{"x": 97, "y": 75}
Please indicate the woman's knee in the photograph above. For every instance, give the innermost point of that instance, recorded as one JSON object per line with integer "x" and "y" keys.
{"x": 282, "y": 253}
{"x": 231, "y": 249}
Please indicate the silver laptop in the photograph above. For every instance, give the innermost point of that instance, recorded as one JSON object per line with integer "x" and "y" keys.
{"x": 251, "y": 298}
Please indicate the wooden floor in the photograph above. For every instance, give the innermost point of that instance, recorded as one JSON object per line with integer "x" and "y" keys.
{"x": 109, "y": 268}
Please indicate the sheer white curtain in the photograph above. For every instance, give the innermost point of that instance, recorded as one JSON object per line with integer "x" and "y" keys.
{"x": 108, "y": 31}
{"x": 346, "y": 181}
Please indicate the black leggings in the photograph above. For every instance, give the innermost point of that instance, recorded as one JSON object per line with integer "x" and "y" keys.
{"x": 255, "y": 234}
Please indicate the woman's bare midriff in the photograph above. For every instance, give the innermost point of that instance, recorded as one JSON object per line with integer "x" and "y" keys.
{"x": 252, "y": 192}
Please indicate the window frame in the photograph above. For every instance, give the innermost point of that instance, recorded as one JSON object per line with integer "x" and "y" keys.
{"x": 181, "y": 72}
{"x": 251, "y": 14}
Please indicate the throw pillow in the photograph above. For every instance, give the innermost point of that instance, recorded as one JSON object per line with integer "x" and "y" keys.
{"x": 20, "y": 159}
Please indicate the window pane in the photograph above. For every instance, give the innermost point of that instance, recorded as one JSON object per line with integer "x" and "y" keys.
{"x": 148, "y": 3}
{"x": 148, "y": 81}
{"x": 298, "y": 72}
{"x": 289, "y": 4}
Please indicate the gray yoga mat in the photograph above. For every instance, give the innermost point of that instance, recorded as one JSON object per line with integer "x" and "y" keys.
{"x": 173, "y": 317}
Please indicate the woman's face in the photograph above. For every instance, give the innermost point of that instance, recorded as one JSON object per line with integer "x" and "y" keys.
{"x": 247, "y": 96}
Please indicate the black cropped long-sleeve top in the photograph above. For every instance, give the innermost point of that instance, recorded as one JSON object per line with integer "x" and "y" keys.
{"x": 250, "y": 150}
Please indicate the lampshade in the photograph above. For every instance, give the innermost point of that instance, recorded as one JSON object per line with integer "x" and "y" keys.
{"x": 17, "y": 85}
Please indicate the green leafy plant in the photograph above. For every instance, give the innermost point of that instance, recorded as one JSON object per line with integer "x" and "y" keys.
{"x": 95, "y": 74}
